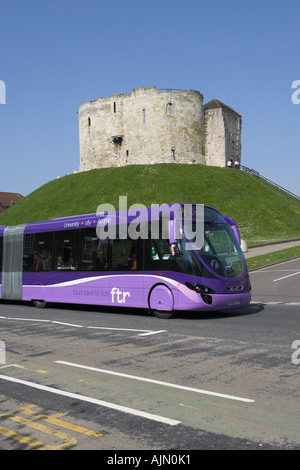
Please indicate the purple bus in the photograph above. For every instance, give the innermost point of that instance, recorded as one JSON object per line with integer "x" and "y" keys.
{"x": 65, "y": 260}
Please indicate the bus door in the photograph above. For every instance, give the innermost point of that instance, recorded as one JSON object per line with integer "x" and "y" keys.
{"x": 12, "y": 262}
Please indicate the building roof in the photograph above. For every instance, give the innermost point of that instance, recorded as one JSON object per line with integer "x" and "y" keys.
{"x": 9, "y": 199}
{"x": 218, "y": 104}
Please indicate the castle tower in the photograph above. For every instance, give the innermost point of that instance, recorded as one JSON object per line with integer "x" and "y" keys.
{"x": 158, "y": 126}
{"x": 223, "y": 128}
{"x": 143, "y": 127}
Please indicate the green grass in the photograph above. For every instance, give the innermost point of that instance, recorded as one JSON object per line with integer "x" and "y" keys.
{"x": 263, "y": 212}
{"x": 275, "y": 257}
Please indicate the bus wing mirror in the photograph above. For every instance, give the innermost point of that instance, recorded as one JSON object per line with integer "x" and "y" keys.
{"x": 233, "y": 227}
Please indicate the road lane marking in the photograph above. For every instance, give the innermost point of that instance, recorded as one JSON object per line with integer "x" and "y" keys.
{"x": 285, "y": 277}
{"x": 284, "y": 303}
{"x": 95, "y": 401}
{"x": 66, "y": 324}
{"x": 26, "y": 319}
{"x": 145, "y": 332}
{"x": 157, "y": 382}
{"x": 149, "y": 333}
{"x": 141, "y": 332}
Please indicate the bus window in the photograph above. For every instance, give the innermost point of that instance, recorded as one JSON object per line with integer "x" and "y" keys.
{"x": 158, "y": 256}
{"x": 127, "y": 255}
{"x": 38, "y": 252}
{"x": 66, "y": 243}
{"x": 94, "y": 252}
{"x": 28, "y": 252}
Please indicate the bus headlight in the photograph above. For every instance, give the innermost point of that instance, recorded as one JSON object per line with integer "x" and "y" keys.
{"x": 199, "y": 288}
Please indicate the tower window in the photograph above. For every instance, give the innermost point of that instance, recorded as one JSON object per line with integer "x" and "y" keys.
{"x": 117, "y": 140}
{"x": 170, "y": 108}
{"x": 89, "y": 122}
{"x": 115, "y": 107}
{"x": 144, "y": 115}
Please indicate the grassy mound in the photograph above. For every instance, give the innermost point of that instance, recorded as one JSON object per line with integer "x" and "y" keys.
{"x": 263, "y": 212}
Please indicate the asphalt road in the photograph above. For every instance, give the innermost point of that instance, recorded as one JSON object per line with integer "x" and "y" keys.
{"x": 278, "y": 283}
{"x": 89, "y": 378}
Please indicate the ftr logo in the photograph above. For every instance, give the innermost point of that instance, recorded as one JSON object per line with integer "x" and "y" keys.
{"x": 121, "y": 296}
{"x": 2, "y": 92}
{"x": 296, "y": 94}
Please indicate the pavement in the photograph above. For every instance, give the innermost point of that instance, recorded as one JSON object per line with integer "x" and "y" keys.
{"x": 270, "y": 248}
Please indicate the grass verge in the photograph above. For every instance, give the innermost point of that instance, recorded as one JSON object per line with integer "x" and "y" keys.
{"x": 275, "y": 257}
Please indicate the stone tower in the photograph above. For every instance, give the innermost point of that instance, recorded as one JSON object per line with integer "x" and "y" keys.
{"x": 155, "y": 126}
{"x": 223, "y": 128}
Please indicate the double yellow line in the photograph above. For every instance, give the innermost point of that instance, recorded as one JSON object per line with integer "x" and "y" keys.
{"x": 68, "y": 441}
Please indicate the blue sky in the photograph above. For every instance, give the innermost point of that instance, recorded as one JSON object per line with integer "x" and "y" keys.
{"x": 56, "y": 55}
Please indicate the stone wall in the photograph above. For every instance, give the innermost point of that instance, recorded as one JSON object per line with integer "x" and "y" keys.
{"x": 222, "y": 134}
{"x": 151, "y": 126}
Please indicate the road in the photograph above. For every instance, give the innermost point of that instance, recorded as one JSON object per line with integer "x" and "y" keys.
{"x": 277, "y": 283}
{"x": 89, "y": 378}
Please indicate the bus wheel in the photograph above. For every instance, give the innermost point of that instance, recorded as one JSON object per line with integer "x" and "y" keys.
{"x": 165, "y": 314}
{"x": 39, "y": 303}
{"x": 161, "y": 301}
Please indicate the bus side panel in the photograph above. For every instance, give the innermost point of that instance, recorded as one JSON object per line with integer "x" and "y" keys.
{"x": 98, "y": 289}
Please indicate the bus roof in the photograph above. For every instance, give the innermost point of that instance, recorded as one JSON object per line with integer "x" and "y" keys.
{"x": 92, "y": 220}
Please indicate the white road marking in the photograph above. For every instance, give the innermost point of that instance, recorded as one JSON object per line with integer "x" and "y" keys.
{"x": 141, "y": 332}
{"x": 152, "y": 333}
{"x": 157, "y": 382}
{"x": 26, "y": 319}
{"x": 66, "y": 324}
{"x": 285, "y": 277}
{"x": 276, "y": 303}
{"x": 145, "y": 332}
{"x": 95, "y": 401}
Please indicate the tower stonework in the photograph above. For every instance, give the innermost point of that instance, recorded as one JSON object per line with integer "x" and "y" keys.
{"x": 223, "y": 128}
{"x": 154, "y": 126}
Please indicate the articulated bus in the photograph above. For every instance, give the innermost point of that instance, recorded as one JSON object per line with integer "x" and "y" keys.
{"x": 65, "y": 260}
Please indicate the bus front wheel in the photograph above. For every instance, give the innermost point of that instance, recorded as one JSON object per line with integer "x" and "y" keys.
{"x": 164, "y": 314}
{"x": 161, "y": 301}
{"x": 39, "y": 303}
